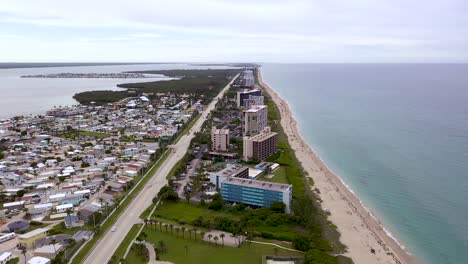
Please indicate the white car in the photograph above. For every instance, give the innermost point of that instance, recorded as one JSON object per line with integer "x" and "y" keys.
{"x": 113, "y": 229}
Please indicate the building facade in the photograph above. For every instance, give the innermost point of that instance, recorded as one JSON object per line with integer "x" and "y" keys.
{"x": 245, "y": 94}
{"x": 254, "y": 119}
{"x": 256, "y": 193}
{"x": 231, "y": 170}
{"x": 253, "y": 100}
{"x": 219, "y": 139}
{"x": 260, "y": 146}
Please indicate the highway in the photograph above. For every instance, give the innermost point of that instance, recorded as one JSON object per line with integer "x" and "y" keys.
{"x": 107, "y": 245}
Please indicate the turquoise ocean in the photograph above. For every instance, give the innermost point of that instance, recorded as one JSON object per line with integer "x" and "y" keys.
{"x": 397, "y": 134}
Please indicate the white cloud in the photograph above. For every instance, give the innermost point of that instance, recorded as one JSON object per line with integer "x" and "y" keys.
{"x": 267, "y": 30}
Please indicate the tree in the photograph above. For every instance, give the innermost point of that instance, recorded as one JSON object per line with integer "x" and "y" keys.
{"x": 317, "y": 256}
{"x": 177, "y": 230}
{"x": 278, "y": 207}
{"x": 216, "y": 239}
{"x": 52, "y": 241}
{"x": 202, "y": 233}
{"x": 187, "y": 197}
{"x": 222, "y": 237}
{"x": 209, "y": 237}
{"x": 161, "y": 247}
{"x": 23, "y": 251}
{"x": 183, "y": 231}
{"x": 168, "y": 194}
{"x": 171, "y": 226}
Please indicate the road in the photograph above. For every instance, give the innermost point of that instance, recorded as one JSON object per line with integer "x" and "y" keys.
{"x": 107, "y": 245}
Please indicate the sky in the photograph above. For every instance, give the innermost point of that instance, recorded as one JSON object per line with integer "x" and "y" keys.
{"x": 234, "y": 31}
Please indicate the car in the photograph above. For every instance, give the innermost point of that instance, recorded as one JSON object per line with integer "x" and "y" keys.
{"x": 114, "y": 228}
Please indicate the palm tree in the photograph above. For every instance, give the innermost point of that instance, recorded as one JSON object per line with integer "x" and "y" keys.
{"x": 166, "y": 226}
{"x": 183, "y": 231}
{"x": 216, "y": 239}
{"x": 209, "y": 237}
{"x": 222, "y": 237}
{"x": 52, "y": 241}
{"x": 195, "y": 231}
{"x": 202, "y": 234}
{"x": 23, "y": 251}
{"x": 177, "y": 230}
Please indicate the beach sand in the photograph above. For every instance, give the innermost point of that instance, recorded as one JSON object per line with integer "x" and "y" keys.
{"x": 360, "y": 232}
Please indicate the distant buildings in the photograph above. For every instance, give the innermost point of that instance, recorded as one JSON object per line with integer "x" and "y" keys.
{"x": 257, "y": 193}
{"x": 219, "y": 139}
{"x": 248, "y": 78}
{"x": 260, "y": 146}
{"x": 245, "y": 94}
{"x": 254, "y": 119}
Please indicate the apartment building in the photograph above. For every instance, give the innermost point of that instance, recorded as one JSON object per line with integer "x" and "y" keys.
{"x": 254, "y": 119}
{"x": 219, "y": 139}
{"x": 244, "y": 94}
{"x": 260, "y": 146}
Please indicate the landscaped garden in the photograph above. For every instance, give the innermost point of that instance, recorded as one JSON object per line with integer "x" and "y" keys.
{"x": 181, "y": 250}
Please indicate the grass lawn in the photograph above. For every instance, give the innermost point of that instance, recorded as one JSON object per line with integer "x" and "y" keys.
{"x": 187, "y": 212}
{"x": 198, "y": 252}
{"x": 279, "y": 176}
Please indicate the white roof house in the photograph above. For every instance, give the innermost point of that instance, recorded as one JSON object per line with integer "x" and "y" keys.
{"x": 38, "y": 260}
{"x": 5, "y": 257}
{"x": 46, "y": 205}
{"x": 13, "y": 204}
{"x": 63, "y": 207}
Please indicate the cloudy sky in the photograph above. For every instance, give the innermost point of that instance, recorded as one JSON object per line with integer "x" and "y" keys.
{"x": 234, "y": 30}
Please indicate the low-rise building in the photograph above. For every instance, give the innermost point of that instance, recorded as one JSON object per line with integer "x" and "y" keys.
{"x": 231, "y": 170}
{"x": 38, "y": 260}
{"x": 256, "y": 193}
{"x": 27, "y": 240}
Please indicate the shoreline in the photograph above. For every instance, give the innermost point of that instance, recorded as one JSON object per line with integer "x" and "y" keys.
{"x": 360, "y": 230}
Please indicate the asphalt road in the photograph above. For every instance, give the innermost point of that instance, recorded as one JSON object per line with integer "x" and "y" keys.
{"x": 107, "y": 245}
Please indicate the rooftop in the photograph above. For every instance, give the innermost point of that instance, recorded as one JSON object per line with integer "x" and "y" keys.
{"x": 33, "y": 233}
{"x": 258, "y": 184}
{"x": 230, "y": 170}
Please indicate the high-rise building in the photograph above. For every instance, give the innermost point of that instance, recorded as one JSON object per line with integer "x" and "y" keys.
{"x": 253, "y": 100}
{"x": 219, "y": 139}
{"x": 254, "y": 119}
{"x": 248, "y": 78}
{"x": 244, "y": 94}
{"x": 260, "y": 146}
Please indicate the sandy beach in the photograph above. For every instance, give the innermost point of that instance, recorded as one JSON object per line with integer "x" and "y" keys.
{"x": 360, "y": 232}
